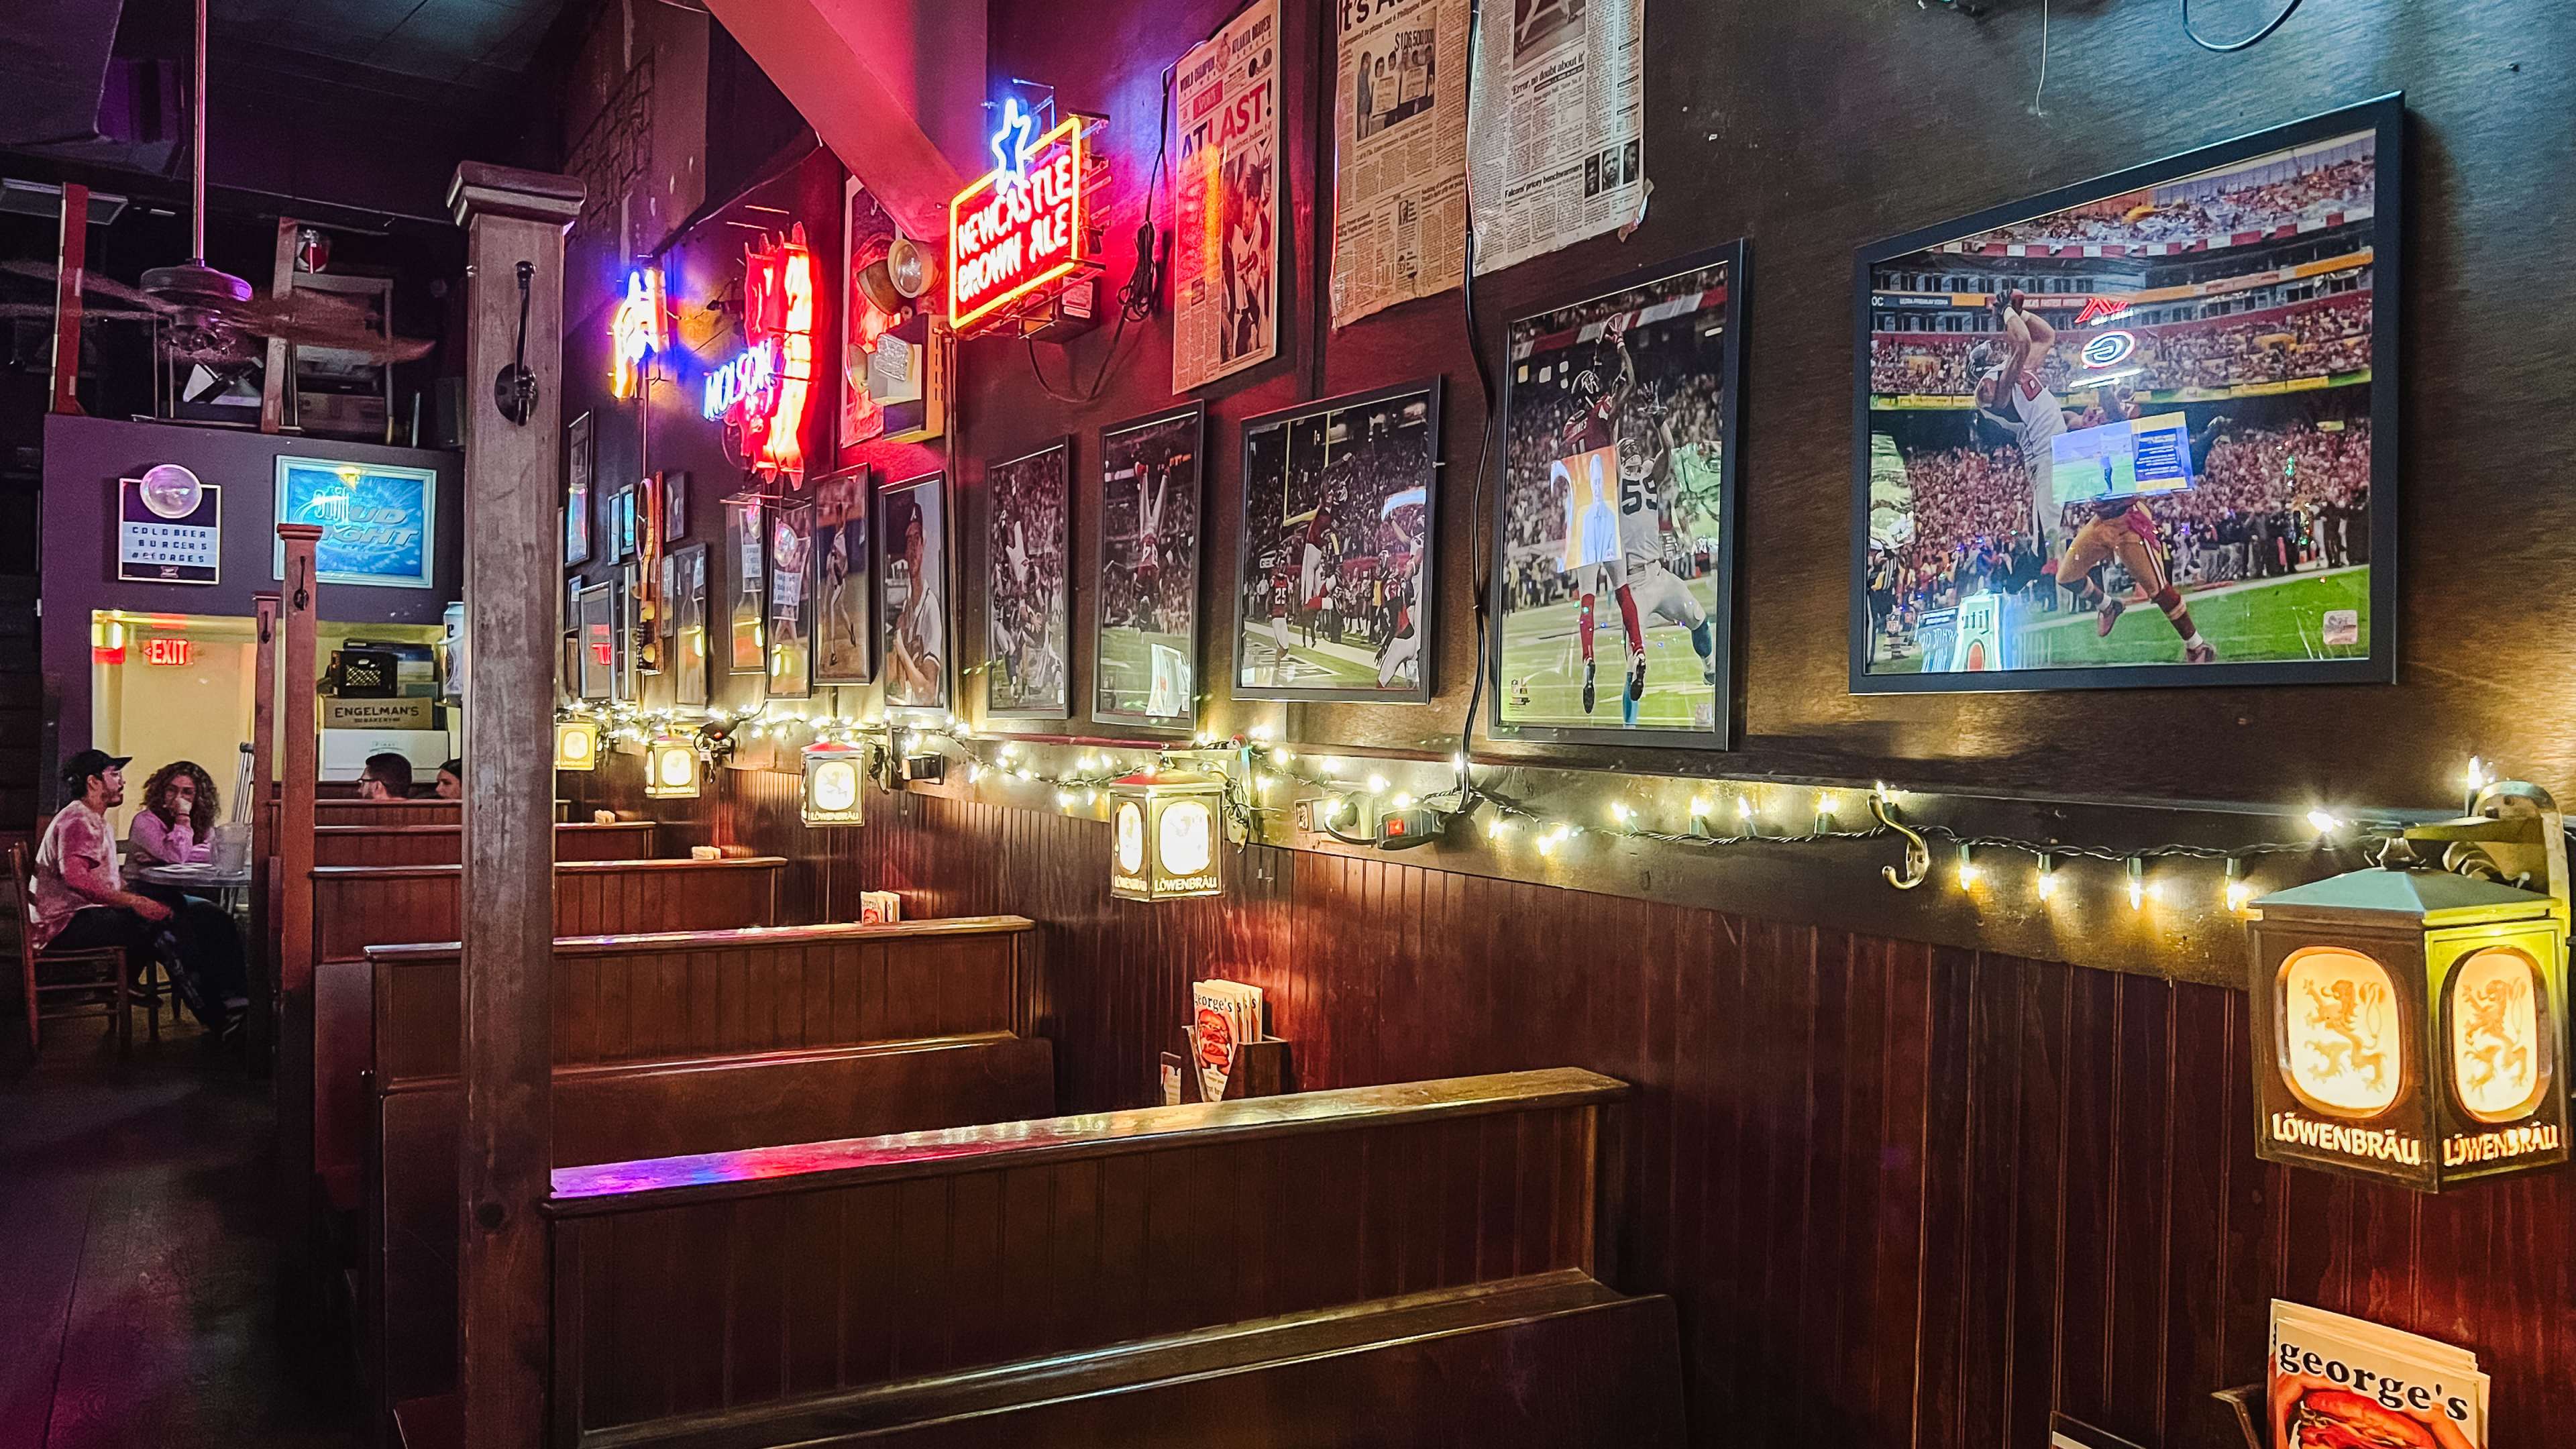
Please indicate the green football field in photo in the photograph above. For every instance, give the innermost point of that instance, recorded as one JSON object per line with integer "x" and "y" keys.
{"x": 1125, "y": 672}
{"x": 1540, "y": 650}
{"x": 2264, "y": 621}
{"x": 1320, "y": 665}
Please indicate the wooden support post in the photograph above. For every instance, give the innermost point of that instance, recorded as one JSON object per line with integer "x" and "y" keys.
{"x": 299, "y": 768}
{"x": 71, "y": 259}
{"x": 273, "y": 380}
{"x": 261, "y": 1029}
{"x": 513, "y": 575}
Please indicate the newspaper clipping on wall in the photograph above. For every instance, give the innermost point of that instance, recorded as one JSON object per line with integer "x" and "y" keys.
{"x": 1557, "y": 156}
{"x": 1400, "y": 153}
{"x": 1225, "y": 241}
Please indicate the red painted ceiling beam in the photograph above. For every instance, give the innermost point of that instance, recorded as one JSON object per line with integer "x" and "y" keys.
{"x": 863, "y": 72}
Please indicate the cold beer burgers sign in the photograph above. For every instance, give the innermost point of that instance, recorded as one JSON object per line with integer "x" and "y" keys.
{"x": 1020, "y": 228}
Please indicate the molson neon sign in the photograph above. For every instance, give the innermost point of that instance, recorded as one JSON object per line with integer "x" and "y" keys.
{"x": 636, "y": 331}
{"x": 1020, "y": 226}
{"x": 760, "y": 396}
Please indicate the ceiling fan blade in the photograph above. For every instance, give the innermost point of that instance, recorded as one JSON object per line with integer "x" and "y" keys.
{"x": 365, "y": 341}
{"x": 88, "y": 314}
{"x": 46, "y": 273}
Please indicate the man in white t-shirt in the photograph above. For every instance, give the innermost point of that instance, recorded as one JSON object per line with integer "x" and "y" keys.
{"x": 917, "y": 636}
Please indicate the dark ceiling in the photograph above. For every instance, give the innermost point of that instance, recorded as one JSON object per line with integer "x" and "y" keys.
{"x": 473, "y": 45}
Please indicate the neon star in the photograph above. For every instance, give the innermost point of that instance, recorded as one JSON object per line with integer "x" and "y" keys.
{"x": 1010, "y": 145}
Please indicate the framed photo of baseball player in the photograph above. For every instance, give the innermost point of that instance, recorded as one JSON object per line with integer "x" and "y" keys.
{"x": 2138, "y": 431}
{"x": 912, "y": 584}
{"x": 1334, "y": 588}
{"x": 1028, "y": 624}
{"x": 791, "y": 585}
{"x": 1613, "y": 589}
{"x": 1146, "y": 643}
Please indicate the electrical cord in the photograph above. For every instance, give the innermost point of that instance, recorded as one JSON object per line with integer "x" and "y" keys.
{"x": 1144, "y": 287}
{"x": 2249, "y": 42}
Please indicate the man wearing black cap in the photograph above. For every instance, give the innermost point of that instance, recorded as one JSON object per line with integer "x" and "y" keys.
{"x": 81, "y": 903}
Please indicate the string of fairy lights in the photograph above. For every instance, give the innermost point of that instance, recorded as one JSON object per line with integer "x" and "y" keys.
{"x": 1256, "y": 768}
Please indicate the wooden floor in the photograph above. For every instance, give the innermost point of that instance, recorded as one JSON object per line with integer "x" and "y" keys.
{"x": 136, "y": 1270}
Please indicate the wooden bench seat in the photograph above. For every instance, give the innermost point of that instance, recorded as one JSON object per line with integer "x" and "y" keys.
{"x": 680, "y": 1043}
{"x": 327, "y": 1031}
{"x": 441, "y": 844}
{"x": 1350, "y": 1260}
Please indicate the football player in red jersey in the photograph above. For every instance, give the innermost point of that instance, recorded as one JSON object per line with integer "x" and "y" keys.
{"x": 1594, "y": 426}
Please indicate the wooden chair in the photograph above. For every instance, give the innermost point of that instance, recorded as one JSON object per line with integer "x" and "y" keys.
{"x": 81, "y": 976}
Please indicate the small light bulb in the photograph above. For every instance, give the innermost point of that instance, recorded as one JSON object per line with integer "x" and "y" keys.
{"x": 1261, "y": 732}
{"x": 2324, "y": 822}
{"x": 2137, "y": 884}
{"x": 1332, "y": 765}
{"x": 1495, "y": 826}
{"x": 1088, "y": 796}
{"x": 1700, "y": 807}
{"x": 2047, "y": 878}
{"x": 1458, "y": 761}
{"x": 1403, "y": 801}
{"x": 1064, "y": 799}
{"x": 1621, "y": 813}
{"x": 1968, "y": 871}
{"x": 1825, "y": 803}
{"x": 1283, "y": 756}
{"x": 2238, "y": 890}
{"x": 1377, "y": 784}
{"x": 1744, "y": 806}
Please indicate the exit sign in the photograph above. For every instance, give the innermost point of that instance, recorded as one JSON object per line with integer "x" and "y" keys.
{"x": 170, "y": 651}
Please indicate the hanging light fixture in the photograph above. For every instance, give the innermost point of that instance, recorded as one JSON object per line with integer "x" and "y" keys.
{"x": 671, "y": 768}
{"x": 1164, "y": 828}
{"x": 2410, "y": 1020}
{"x": 577, "y": 744}
{"x": 833, "y": 776}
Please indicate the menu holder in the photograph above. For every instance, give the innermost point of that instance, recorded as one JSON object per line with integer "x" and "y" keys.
{"x": 1261, "y": 1069}
{"x": 2247, "y": 1401}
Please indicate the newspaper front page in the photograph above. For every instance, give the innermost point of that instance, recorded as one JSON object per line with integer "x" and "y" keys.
{"x": 1557, "y": 153}
{"x": 1400, "y": 153}
{"x": 1225, "y": 240}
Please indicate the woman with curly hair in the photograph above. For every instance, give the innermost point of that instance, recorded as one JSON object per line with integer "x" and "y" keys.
{"x": 177, "y": 818}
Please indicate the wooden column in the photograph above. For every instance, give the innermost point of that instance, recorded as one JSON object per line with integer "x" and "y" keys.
{"x": 71, "y": 259}
{"x": 261, "y": 1029}
{"x": 299, "y": 767}
{"x": 513, "y": 576}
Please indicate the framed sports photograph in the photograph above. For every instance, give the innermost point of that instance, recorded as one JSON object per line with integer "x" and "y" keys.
{"x": 577, "y": 492}
{"x": 1334, "y": 588}
{"x": 912, "y": 582}
{"x": 791, "y": 582}
{"x": 1613, "y": 592}
{"x": 2141, "y": 430}
{"x": 1146, "y": 635}
{"x": 690, "y": 651}
{"x": 844, "y": 591}
{"x": 675, "y": 507}
{"x": 621, "y": 609}
{"x": 595, "y": 628}
{"x": 1027, "y": 589}
{"x": 748, "y": 545}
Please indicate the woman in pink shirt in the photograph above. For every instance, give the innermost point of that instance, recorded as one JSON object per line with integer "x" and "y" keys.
{"x": 177, "y": 818}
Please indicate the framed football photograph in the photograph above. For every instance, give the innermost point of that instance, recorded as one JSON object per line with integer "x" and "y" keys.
{"x": 1334, "y": 587}
{"x": 912, "y": 583}
{"x": 690, "y": 649}
{"x": 844, "y": 591}
{"x": 1028, "y": 586}
{"x": 1146, "y": 637}
{"x": 1613, "y": 589}
{"x": 747, "y": 542}
{"x": 2141, "y": 430}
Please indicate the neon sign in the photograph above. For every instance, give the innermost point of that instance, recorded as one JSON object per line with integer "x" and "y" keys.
{"x": 1021, "y": 226}
{"x": 164, "y": 649}
{"x": 636, "y": 331}
{"x": 2100, "y": 307}
{"x": 2108, "y": 349}
{"x": 760, "y": 396}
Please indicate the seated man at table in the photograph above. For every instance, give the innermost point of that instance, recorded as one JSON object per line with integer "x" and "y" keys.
{"x": 80, "y": 900}
{"x": 177, "y": 818}
{"x": 385, "y": 776}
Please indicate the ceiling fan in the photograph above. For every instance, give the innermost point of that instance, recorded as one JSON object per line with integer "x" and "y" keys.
{"x": 208, "y": 316}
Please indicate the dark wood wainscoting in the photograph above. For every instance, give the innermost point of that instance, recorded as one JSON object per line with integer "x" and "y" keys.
{"x": 1904, "y": 1195}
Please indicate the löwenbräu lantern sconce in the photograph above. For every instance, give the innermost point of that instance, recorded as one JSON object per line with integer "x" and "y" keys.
{"x": 2410, "y": 1020}
{"x": 577, "y": 744}
{"x": 671, "y": 768}
{"x": 834, "y": 774}
{"x": 1164, "y": 829}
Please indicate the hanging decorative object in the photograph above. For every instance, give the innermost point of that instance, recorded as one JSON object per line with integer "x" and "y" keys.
{"x": 761, "y": 395}
{"x": 2410, "y": 1020}
{"x": 1164, "y": 830}
{"x": 671, "y": 768}
{"x": 576, "y": 744}
{"x": 1022, "y": 233}
{"x": 833, "y": 776}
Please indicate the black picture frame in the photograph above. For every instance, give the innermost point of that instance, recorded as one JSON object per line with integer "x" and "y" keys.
{"x": 1124, "y": 446}
{"x": 1259, "y": 558}
{"x": 692, "y": 640}
{"x": 845, "y": 644}
{"x": 577, "y": 485}
{"x": 907, "y": 627}
{"x": 1045, "y": 562}
{"x": 675, "y": 507}
{"x": 1734, "y": 259}
{"x": 595, "y": 639}
{"x": 747, "y": 560}
{"x": 2384, "y": 119}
